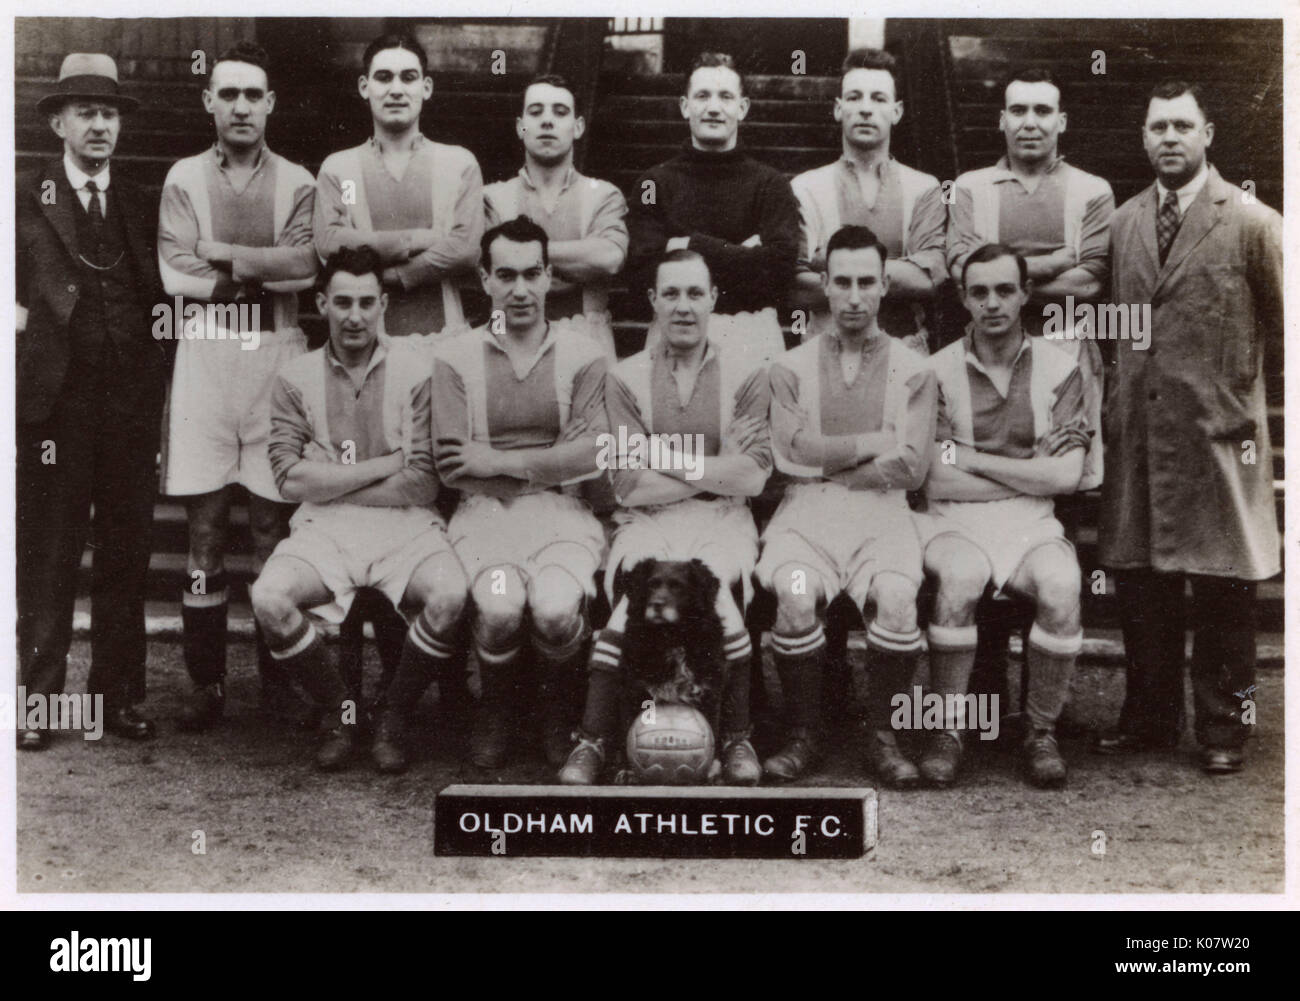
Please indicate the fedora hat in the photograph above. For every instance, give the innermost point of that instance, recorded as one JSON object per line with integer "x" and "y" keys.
{"x": 86, "y": 76}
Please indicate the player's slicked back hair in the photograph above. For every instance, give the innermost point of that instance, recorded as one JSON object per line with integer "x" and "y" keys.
{"x": 395, "y": 40}
{"x": 521, "y": 229}
{"x": 871, "y": 59}
{"x": 1167, "y": 90}
{"x": 682, "y": 254}
{"x": 993, "y": 252}
{"x": 1033, "y": 74}
{"x": 855, "y": 238}
{"x": 352, "y": 261}
{"x": 714, "y": 60}
{"x": 553, "y": 80}
{"x": 243, "y": 52}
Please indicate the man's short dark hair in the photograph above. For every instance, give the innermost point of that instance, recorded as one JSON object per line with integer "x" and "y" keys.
{"x": 1167, "y": 90}
{"x": 521, "y": 229}
{"x": 243, "y": 52}
{"x": 352, "y": 261}
{"x": 1033, "y": 74}
{"x": 715, "y": 60}
{"x": 395, "y": 40}
{"x": 682, "y": 254}
{"x": 552, "y": 80}
{"x": 870, "y": 59}
{"x": 855, "y": 238}
{"x": 993, "y": 252}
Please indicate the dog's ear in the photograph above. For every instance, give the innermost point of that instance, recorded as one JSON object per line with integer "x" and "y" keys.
{"x": 635, "y": 583}
{"x": 703, "y": 582}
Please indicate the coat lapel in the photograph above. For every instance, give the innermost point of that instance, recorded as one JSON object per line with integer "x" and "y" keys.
{"x": 60, "y": 211}
{"x": 1202, "y": 216}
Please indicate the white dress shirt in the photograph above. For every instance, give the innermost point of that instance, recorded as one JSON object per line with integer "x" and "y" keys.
{"x": 78, "y": 178}
{"x": 1188, "y": 192}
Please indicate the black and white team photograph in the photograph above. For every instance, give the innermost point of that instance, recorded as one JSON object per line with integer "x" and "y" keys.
{"x": 622, "y": 456}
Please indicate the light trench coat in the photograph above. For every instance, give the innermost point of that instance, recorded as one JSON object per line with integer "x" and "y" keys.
{"x": 1184, "y": 419}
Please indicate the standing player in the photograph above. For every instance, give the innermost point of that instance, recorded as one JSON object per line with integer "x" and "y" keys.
{"x": 1183, "y": 420}
{"x": 419, "y": 205}
{"x": 1012, "y": 432}
{"x": 234, "y": 231}
{"x": 350, "y": 440}
{"x": 415, "y": 202}
{"x": 88, "y": 387}
{"x": 683, "y": 387}
{"x": 739, "y": 214}
{"x": 583, "y": 217}
{"x": 1052, "y": 214}
{"x": 853, "y": 414}
{"x": 518, "y": 405}
{"x": 1056, "y": 217}
{"x": 868, "y": 187}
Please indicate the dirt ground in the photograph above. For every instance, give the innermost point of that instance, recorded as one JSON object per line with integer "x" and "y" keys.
{"x": 114, "y": 816}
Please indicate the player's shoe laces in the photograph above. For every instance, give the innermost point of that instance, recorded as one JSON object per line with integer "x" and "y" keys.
{"x": 889, "y": 763}
{"x": 795, "y": 758}
{"x": 740, "y": 766}
{"x": 942, "y": 756}
{"x": 585, "y": 762}
{"x": 1043, "y": 760}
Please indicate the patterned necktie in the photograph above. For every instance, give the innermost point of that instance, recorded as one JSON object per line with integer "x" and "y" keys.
{"x": 1167, "y": 221}
{"x": 96, "y": 212}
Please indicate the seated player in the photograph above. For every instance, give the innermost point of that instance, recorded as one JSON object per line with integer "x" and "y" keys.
{"x": 1012, "y": 433}
{"x": 518, "y": 405}
{"x": 680, "y": 510}
{"x": 350, "y": 439}
{"x": 853, "y": 414}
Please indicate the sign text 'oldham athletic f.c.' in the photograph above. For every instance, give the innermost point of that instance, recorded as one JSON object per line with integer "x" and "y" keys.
{"x": 654, "y": 822}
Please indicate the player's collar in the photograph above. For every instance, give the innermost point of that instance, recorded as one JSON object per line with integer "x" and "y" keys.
{"x": 1002, "y": 169}
{"x": 416, "y": 143}
{"x": 263, "y": 156}
{"x": 836, "y": 343}
{"x": 664, "y": 351}
{"x": 570, "y": 176}
{"x": 733, "y": 155}
{"x": 880, "y": 169}
{"x": 973, "y": 360}
{"x": 376, "y": 356}
{"x": 498, "y": 341}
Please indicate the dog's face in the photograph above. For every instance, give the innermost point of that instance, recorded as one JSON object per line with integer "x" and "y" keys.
{"x": 669, "y": 592}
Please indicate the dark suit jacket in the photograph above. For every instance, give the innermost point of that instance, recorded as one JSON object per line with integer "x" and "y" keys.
{"x": 49, "y": 280}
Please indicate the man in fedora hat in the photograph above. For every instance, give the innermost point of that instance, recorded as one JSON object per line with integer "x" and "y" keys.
{"x": 90, "y": 378}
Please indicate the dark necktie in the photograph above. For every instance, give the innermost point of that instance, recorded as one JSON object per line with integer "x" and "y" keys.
{"x": 96, "y": 213}
{"x": 1167, "y": 222}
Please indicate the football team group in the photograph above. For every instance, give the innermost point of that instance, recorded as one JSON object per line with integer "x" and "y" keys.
{"x": 464, "y": 471}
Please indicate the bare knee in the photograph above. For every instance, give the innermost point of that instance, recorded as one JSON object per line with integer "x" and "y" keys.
{"x": 1056, "y": 586}
{"x": 207, "y": 532}
{"x": 962, "y": 573}
{"x": 273, "y": 607}
{"x": 499, "y": 599}
{"x": 895, "y": 598}
{"x": 554, "y": 602}
{"x": 797, "y": 592}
